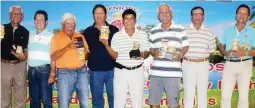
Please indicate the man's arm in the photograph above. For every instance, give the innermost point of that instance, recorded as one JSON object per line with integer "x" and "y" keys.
{"x": 250, "y": 52}
{"x": 21, "y": 56}
{"x": 51, "y": 78}
{"x": 111, "y": 52}
{"x": 56, "y": 55}
{"x": 222, "y": 50}
{"x": 145, "y": 54}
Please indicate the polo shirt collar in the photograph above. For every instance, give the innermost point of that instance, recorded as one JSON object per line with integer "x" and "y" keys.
{"x": 12, "y": 27}
{"x": 171, "y": 26}
{"x": 106, "y": 23}
{"x": 125, "y": 33}
{"x": 193, "y": 27}
{"x": 244, "y": 29}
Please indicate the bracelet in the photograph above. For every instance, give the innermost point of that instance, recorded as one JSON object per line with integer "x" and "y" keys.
{"x": 52, "y": 74}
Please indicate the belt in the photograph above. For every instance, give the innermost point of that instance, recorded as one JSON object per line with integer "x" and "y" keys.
{"x": 11, "y": 62}
{"x": 41, "y": 66}
{"x": 240, "y": 60}
{"x": 120, "y": 66}
{"x": 196, "y": 60}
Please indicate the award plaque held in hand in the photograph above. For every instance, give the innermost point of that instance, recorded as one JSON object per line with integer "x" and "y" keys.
{"x": 135, "y": 52}
{"x": 171, "y": 50}
{"x": 234, "y": 48}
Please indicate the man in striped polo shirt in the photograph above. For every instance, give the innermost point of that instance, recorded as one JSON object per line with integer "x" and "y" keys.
{"x": 128, "y": 73}
{"x": 195, "y": 65}
{"x": 166, "y": 74}
{"x": 39, "y": 63}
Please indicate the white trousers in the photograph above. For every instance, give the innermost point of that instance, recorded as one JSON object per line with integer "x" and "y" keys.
{"x": 240, "y": 72}
{"x": 195, "y": 75}
{"x": 131, "y": 81}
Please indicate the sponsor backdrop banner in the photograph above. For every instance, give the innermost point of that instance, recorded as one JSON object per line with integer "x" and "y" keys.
{"x": 218, "y": 15}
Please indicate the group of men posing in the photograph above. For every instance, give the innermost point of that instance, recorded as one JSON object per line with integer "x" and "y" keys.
{"x": 110, "y": 63}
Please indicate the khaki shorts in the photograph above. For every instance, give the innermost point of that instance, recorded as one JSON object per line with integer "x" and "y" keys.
{"x": 170, "y": 85}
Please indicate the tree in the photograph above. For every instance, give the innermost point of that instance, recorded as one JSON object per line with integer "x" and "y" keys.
{"x": 56, "y": 30}
{"x": 81, "y": 31}
{"x": 148, "y": 28}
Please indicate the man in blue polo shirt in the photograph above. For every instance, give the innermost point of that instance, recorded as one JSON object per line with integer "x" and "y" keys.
{"x": 39, "y": 63}
{"x": 237, "y": 43}
{"x": 100, "y": 62}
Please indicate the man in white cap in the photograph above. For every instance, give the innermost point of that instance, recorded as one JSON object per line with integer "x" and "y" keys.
{"x": 71, "y": 70}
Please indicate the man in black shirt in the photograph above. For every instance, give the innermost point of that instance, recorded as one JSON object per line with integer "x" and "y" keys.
{"x": 13, "y": 56}
{"x": 100, "y": 62}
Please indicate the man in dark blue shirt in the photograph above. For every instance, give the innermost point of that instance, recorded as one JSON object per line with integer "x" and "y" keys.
{"x": 100, "y": 62}
{"x": 13, "y": 60}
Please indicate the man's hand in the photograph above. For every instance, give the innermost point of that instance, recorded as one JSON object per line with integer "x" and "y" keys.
{"x": 238, "y": 53}
{"x": 71, "y": 46}
{"x": 51, "y": 78}
{"x": 177, "y": 57}
{"x": 105, "y": 42}
{"x": 20, "y": 56}
{"x": 156, "y": 53}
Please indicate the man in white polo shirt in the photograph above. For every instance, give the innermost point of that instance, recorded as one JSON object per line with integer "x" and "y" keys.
{"x": 195, "y": 65}
{"x": 39, "y": 63}
{"x": 166, "y": 70}
{"x": 129, "y": 47}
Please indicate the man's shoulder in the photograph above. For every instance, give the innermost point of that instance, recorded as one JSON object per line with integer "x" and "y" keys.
{"x": 23, "y": 29}
{"x": 113, "y": 28}
{"x": 251, "y": 29}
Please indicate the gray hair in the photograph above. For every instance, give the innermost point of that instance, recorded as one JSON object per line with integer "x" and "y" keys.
{"x": 164, "y": 4}
{"x": 67, "y": 16}
{"x": 11, "y": 8}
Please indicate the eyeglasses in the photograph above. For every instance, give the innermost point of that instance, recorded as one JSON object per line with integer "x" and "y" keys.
{"x": 245, "y": 14}
{"x": 197, "y": 14}
{"x": 17, "y": 14}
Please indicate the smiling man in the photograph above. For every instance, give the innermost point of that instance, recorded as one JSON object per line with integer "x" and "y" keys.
{"x": 195, "y": 65}
{"x": 237, "y": 44}
{"x": 128, "y": 73}
{"x": 39, "y": 63}
{"x": 100, "y": 62}
{"x": 13, "y": 58}
{"x": 71, "y": 70}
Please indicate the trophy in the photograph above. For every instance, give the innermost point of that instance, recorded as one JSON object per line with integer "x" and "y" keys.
{"x": 80, "y": 47}
{"x": 245, "y": 46}
{"x": 104, "y": 32}
{"x": 2, "y": 32}
{"x": 235, "y": 45}
{"x": 135, "y": 52}
{"x": 171, "y": 50}
{"x": 163, "y": 47}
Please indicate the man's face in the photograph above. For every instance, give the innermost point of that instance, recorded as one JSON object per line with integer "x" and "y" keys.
{"x": 40, "y": 22}
{"x": 99, "y": 15}
{"x": 164, "y": 14}
{"x": 16, "y": 15}
{"x": 242, "y": 15}
{"x": 129, "y": 21}
{"x": 197, "y": 16}
{"x": 68, "y": 27}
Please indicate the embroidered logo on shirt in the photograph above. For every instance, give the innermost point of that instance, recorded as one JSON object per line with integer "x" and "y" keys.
{"x": 246, "y": 36}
